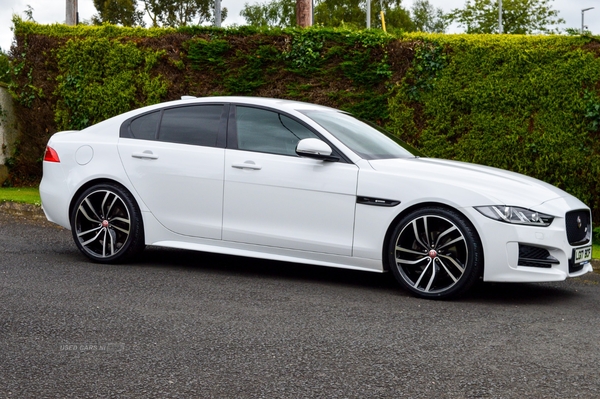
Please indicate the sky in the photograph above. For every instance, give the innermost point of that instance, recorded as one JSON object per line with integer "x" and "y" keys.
{"x": 53, "y": 11}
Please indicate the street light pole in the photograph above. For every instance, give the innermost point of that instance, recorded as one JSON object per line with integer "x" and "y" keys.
{"x": 582, "y": 11}
{"x": 500, "y": 28}
{"x": 218, "y": 13}
{"x": 71, "y": 18}
{"x": 368, "y": 14}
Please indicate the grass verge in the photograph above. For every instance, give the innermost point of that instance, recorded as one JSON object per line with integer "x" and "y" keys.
{"x": 23, "y": 195}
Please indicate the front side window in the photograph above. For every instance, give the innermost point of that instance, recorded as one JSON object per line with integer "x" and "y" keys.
{"x": 267, "y": 131}
{"x": 195, "y": 125}
{"x": 366, "y": 140}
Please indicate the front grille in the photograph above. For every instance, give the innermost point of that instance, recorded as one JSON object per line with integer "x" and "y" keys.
{"x": 579, "y": 227}
{"x": 535, "y": 257}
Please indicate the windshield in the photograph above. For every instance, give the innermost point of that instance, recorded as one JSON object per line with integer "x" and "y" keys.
{"x": 367, "y": 140}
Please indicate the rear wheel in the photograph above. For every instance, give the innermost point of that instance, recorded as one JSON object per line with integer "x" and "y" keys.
{"x": 107, "y": 224}
{"x": 435, "y": 253}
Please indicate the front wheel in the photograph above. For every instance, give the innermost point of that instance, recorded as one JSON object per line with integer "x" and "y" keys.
{"x": 106, "y": 224}
{"x": 435, "y": 253}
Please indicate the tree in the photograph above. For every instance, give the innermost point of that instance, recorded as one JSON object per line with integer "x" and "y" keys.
{"x": 280, "y": 13}
{"x": 181, "y": 12}
{"x": 427, "y": 18}
{"x": 118, "y": 12}
{"x": 396, "y": 17}
{"x": 4, "y": 68}
{"x": 353, "y": 13}
{"x": 518, "y": 16}
{"x": 332, "y": 13}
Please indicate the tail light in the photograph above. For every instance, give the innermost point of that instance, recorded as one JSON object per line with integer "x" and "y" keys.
{"x": 51, "y": 155}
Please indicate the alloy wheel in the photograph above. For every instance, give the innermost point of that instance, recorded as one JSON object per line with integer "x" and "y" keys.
{"x": 431, "y": 254}
{"x": 102, "y": 223}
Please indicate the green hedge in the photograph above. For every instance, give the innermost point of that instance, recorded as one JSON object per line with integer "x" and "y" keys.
{"x": 525, "y": 103}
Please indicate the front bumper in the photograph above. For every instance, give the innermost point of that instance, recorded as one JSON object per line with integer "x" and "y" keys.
{"x": 501, "y": 243}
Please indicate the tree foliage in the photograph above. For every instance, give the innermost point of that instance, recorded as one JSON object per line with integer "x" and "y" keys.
{"x": 518, "y": 16}
{"x": 353, "y": 13}
{"x": 4, "y": 67}
{"x": 177, "y": 13}
{"x": 427, "y": 18}
{"x": 118, "y": 12}
{"x": 168, "y": 13}
{"x": 397, "y": 18}
{"x": 330, "y": 13}
{"x": 280, "y": 13}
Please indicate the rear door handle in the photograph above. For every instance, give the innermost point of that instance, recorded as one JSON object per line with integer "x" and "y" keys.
{"x": 247, "y": 165}
{"x": 144, "y": 155}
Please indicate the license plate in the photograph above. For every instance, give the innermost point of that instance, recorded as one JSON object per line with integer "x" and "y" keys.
{"x": 582, "y": 254}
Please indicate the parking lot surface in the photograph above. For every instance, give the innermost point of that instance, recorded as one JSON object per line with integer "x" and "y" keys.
{"x": 179, "y": 324}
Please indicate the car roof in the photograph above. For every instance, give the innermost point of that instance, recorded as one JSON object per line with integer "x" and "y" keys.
{"x": 275, "y": 103}
{"x": 261, "y": 101}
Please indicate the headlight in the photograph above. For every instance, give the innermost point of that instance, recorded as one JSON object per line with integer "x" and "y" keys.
{"x": 515, "y": 215}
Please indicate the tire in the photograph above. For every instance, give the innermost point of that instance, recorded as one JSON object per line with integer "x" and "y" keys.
{"x": 435, "y": 253}
{"x": 106, "y": 223}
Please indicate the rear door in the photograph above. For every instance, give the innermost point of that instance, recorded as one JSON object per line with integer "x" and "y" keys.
{"x": 174, "y": 158}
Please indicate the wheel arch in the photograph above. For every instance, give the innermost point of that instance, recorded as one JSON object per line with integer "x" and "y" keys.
{"x": 416, "y": 207}
{"x": 95, "y": 182}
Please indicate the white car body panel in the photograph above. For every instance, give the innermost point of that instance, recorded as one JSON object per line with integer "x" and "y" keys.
{"x": 62, "y": 180}
{"x": 300, "y": 209}
{"x": 290, "y": 202}
{"x": 190, "y": 179}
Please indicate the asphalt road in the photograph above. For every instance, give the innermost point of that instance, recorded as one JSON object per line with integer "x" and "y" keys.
{"x": 178, "y": 324}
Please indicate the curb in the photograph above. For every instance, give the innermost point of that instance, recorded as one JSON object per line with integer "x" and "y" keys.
{"x": 26, "y": 210}
{"x": 596, "y": 265}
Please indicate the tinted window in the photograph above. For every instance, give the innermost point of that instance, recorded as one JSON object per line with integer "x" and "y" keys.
{"x": 145, "y": 126}
{"x": 196, "y": 125}
{"x": 363, "y": 138}
{"x": 267, "y": 131}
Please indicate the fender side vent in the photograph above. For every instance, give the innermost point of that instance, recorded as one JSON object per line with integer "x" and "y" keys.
{"x": 376, "y": 201}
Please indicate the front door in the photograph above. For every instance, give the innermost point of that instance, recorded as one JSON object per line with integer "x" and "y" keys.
{"x": 274, "y": 198}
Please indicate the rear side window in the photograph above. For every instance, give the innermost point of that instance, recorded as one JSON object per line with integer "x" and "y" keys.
{"x": 195, "y": 125}
{"x": 145, "y": 126}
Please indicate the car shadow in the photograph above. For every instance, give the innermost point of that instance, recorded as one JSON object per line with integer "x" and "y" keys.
{"x": 490, "y": 293}
{"x": 264, "y": 268}
{"x": 520, "y": 293}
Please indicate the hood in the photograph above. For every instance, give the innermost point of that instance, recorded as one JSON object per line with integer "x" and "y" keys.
{"x": 500, "y": 186}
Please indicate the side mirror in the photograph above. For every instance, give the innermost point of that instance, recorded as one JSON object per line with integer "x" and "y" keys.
{"x": 315, "y": 148}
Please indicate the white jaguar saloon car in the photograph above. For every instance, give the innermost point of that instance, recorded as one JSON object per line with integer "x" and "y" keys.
{"x": 297, "y": 182}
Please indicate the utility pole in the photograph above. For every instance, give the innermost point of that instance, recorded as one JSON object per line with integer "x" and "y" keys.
{"x": 218, "y": 13}
{"x": 368, "y": 14}
{"x": 72, "y": 17}
{"x": 500, "y": 27}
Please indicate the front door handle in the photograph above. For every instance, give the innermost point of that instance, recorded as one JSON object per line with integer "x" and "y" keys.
{"x": 144, "y": 155}
{"x": 247, "y": 165}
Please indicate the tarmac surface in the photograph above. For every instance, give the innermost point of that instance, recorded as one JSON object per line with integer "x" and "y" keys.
{"x": 181, "y": 324}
